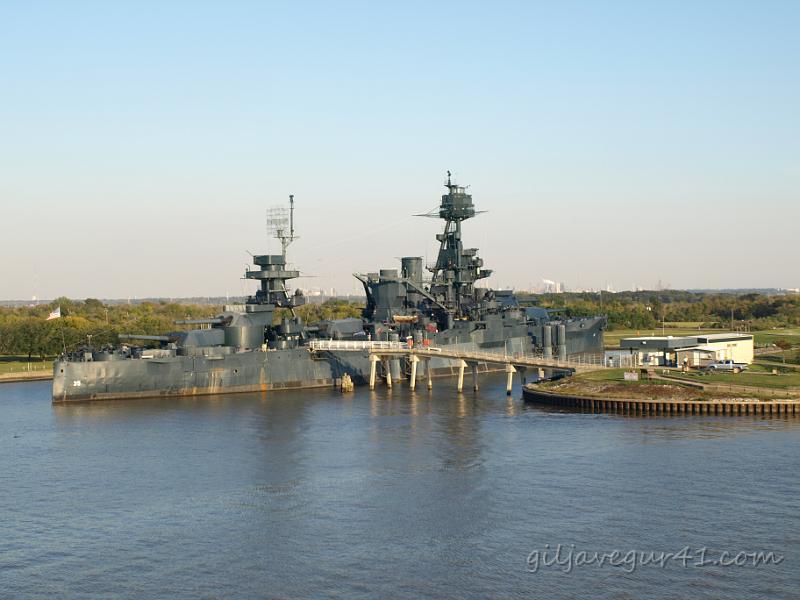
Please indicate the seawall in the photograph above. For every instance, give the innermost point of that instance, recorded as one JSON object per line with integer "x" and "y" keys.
{"x": 731, "y": 406}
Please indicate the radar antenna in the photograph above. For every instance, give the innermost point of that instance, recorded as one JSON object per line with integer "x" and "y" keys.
{"x": 280, "y": 224}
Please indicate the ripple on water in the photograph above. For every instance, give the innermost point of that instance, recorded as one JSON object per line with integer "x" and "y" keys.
{"x": 316, "y": 494}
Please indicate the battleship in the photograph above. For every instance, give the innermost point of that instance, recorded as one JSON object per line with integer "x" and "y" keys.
{"x": 264, "y": 345}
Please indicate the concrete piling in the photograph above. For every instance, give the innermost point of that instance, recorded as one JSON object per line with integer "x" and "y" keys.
{"x": 510, "y": 370}
{"x": 387, "y": 368}
{"x": 412, "y": 383}
{"x": 373, "y": 367}
{"x": 428, "y": 373}
{"x": 460, "y": 383}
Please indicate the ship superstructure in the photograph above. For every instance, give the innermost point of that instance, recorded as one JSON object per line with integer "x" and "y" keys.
{"x": 448, "y": 307}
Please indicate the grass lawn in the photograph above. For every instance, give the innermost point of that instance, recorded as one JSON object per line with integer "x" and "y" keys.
{"x": 613, "y": 376}
{"x": 753, "y": 377}
{"x": 773, "y": 336}
{"x": 790, "y": 357}
{"x": 605, "y": 375}
{"x": 611, "y": 384}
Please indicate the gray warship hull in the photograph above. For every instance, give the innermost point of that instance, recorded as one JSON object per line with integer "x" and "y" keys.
{"x": 253, "y": 371}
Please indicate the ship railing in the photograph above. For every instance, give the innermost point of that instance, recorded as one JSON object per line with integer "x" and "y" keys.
{"x": 322, "y": 345}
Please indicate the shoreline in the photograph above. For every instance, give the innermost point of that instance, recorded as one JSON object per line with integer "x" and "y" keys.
{"x": 26, "y": 376}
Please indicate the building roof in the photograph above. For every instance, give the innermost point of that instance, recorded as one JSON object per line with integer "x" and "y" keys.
{"x": 707, "y": 349}
{"x": 657, "y": 342}
{"x": 669, "y": 342}
{"x": 724, "y": 337}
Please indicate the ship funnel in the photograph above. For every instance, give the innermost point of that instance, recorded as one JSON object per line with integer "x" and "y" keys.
{"x": 412, "y": 269}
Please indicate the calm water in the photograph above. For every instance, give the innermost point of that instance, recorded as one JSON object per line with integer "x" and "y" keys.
{"x": 385, "y": 494}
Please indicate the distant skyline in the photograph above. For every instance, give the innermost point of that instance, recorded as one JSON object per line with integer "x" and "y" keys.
{"x": 622, "y": 142}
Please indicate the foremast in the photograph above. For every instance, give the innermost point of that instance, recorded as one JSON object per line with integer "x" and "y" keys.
{"x": 456, "y": 269}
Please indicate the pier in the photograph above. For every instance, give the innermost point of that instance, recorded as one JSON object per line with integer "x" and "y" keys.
{"x": 384, "y": 352}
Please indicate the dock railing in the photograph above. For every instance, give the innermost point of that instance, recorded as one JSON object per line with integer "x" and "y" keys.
{"x": 576, "y": 362}
{"x": 322, "y": 345}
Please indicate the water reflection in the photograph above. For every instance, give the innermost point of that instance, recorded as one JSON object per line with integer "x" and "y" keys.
{"x": 676, "y": 426}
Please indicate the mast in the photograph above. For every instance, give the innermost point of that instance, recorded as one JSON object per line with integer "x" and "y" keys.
{"x": 280, "y": 224}
{"x": 291, "y": 218}
{"x": 273, "y": 272}
{"x": 456, "y": 268}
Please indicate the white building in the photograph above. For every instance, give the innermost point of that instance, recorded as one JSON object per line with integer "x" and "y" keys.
{"x": 692, "y": 351}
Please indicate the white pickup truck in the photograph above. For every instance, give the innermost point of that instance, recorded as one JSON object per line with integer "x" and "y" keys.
{"x": 726, "y": 365}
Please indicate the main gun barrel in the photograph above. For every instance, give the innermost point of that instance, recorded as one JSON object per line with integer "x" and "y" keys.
{"x": 200, "y": 322}
{"x": 154, "y": 338}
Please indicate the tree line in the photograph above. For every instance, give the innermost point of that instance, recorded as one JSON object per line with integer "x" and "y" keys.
{"x": 646, "y": 310}
{"x": 25, "y": 331}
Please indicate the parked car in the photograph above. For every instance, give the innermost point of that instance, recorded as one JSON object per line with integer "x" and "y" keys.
{"x": 725, "y": 365}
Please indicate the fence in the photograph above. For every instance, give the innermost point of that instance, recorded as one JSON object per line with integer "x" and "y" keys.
{"x": 31, "y": 367}
{"x": 749, "y": 389}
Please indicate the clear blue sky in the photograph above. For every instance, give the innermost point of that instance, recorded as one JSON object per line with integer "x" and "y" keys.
{"x": 610, "y": 142}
